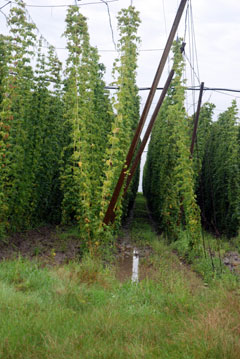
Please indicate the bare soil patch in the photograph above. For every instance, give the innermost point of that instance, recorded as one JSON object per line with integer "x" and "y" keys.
{"x": 44, "y": 243}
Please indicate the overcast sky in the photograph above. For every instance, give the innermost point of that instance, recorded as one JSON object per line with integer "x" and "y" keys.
{"x": 217, "y": 29}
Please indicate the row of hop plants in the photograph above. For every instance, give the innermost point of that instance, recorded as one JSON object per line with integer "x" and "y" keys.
{"x": 218, "y": 170}
{"x": 168, "y": 181}
{"x": 63, "y": 141}
{"x": 185, "y": 192}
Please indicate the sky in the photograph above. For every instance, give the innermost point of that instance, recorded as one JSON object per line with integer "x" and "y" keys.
{"x": 216, "y": 26}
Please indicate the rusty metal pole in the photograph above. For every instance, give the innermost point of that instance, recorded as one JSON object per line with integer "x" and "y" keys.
{"x": 197, "y": 118}
{"x": 109, "y": 216}
{"x": 150, "y": 126}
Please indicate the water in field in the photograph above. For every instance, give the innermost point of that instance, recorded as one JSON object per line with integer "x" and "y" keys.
{"x": 128, "y": 265}
{"x": 132, "y": 263}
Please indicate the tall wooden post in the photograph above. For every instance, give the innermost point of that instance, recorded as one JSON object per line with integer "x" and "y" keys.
{"x": 150, "y": 126}
{"x": 109, "y": 216}
{"x": 196, "y": 119}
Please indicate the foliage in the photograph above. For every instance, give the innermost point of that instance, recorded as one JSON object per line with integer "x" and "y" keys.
{"x": 63, "y": 143}
{"x": 61, "y": 147}
{"x": 46, "y": 138}
{"x": 4, "y": 48}
{"x": 31, "y": 129}
{"x": 203, "y": 133}
{"x": 16, "y": 176}
{"x": 127, "y": 112}
{"x": 168, "y": 175}
{"x": 88, "y": 118}
{"x": 173, "y": 181}
{"x": 220, "y": 176}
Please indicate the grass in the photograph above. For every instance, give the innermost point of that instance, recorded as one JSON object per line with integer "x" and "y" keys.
{"x": 208, "y": 265}
{"x": 80, "y": 310}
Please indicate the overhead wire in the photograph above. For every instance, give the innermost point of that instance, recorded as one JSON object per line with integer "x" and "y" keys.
{"x": 67, "y": 5}
{"x": 166, "y": 32}
{"x": 227, "y": 94}
{"x": 220, "y": 90}
{"x": 177, "y": 7}
{"x": 184, "y": 41}
{"x": 186, "y": 18}
{"x": 209, "y": 97}
{"x": 194, "y": 38}
{"x": 193, "y": 105}
{"x": 110, "y": 23}
{"x": 188, "y": 88}
{"x": 29, "y": 18}
{"x": 192, "y": 68}
{"x": 9, "y": 2}
{"x": 108, "y": 50}
{"x": 191, "y": 58}
{"x": 4, "y": 14}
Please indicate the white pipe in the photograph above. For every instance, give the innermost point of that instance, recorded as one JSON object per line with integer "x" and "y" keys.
{"x": 135, "y": 265}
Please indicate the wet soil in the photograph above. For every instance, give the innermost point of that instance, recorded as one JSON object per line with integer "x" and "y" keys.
{"x": 126, "y": 247}
{"x": 50, "y": 246}
{"x": 232, "y": 261}
{"x": 44, "y": 243}
{"x": 127, "y": 252}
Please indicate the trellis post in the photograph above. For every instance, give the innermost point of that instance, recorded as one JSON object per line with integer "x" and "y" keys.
{"x": 150, "y": 126}
{"x": 109, "y": 216}
{"x": 197, "y": 118}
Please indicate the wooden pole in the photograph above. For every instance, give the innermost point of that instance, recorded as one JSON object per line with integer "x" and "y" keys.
{"x": 196, "y": 119}
{"x": 109, "y": 216}
{"x": 150, "y": 126}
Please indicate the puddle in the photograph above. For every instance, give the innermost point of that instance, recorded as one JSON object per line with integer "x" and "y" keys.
{"x": 124, "y": 266}
{"x": 128, "y": 265}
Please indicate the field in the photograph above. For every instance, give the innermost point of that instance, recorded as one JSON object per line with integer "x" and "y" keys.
{"x": 80, "y": 309}
{"x": 72, "y": 225}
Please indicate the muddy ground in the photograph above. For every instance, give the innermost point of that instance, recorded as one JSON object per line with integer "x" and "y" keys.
{"x": 56, "y": 246}
{"x": 47, "y": 243}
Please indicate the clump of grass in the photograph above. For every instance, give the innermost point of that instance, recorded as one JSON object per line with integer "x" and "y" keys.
{"x": 208, "y": 263}
{"x": 69, "y": 233}
{"x": 24, "y": 275}
{"x": 90, "y": 270}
